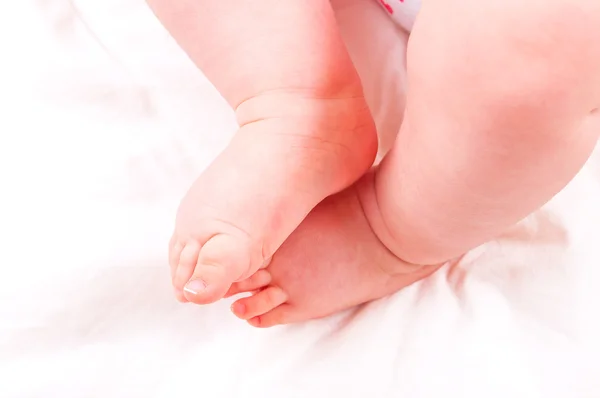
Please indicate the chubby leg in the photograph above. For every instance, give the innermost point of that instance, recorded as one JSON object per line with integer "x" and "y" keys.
{"x": 501, "y": 115}
{"x": 305, "y": 132}
{"x": 237, "y": 213}
{"x": 496, "y": 124}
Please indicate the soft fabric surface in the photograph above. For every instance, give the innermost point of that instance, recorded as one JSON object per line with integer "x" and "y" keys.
{"x": 105, "y": 123}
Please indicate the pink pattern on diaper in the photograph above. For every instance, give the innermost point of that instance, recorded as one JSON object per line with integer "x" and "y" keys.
{"x": 402, "y": 12}
{"x": 387, "y": 6}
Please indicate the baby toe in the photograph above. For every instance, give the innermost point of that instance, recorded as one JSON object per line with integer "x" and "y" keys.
{"x": 258, "y": 280}
{"x": 260, "y": 303}
{"x": 208, "y": 284}
{"x": 278, "y": 316}
{"x": 223, "y": 260}
{"x": 175, "y": 248}
{"x": 186, "y": 264}
{"x": 179, "y": 296}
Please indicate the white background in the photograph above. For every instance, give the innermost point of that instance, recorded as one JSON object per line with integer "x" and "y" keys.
{"x": 103, "y": 124}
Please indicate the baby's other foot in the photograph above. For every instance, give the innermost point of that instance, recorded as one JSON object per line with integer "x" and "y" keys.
{"x": 332, "y": 262}
{"x": 283, "y": 161}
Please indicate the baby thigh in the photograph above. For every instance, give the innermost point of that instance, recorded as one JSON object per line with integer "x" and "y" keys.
{"x": 501, "y": 108}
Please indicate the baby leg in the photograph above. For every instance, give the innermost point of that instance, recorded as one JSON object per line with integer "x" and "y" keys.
{"x": 490, "y": 134}
{"x": 305, "y": 132}
{"x": 238, "y": 212}
{"x": 498, "y": 121}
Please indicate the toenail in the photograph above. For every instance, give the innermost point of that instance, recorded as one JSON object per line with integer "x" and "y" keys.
{"x": 195, "y": 286}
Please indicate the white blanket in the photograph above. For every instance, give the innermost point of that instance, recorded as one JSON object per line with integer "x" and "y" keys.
{"x": 105, "y": 122}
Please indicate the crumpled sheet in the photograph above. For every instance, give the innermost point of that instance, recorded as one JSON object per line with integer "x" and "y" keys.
{"x": 105, "y": 122}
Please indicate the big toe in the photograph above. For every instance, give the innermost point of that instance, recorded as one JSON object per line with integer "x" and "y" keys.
{"x": 222, "y": 260}
{"x": 209, "y": 284}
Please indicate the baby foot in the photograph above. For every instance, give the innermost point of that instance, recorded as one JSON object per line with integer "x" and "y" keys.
{"x": 289, "y": 154}
{"x": 332, "y": 262}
